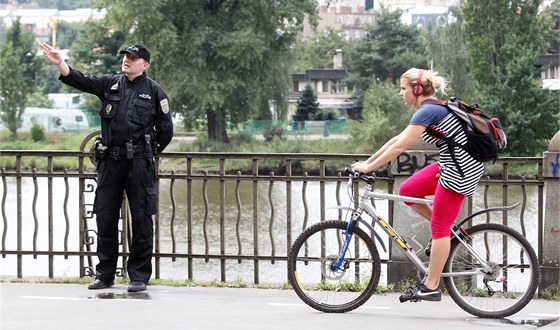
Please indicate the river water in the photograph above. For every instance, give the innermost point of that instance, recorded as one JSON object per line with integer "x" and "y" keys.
{"x": 203, "y": 270}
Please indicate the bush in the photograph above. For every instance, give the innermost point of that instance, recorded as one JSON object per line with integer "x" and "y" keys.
{"x": 38, "y": 133}
{"x": 274, "y": 131}
{"x": 240, "y": 138}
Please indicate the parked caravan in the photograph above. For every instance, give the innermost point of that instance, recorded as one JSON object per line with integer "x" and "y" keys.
{"x": 54, "y": 119}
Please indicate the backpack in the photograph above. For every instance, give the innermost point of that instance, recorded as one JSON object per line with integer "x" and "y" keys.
{"x": 486, "y": 138}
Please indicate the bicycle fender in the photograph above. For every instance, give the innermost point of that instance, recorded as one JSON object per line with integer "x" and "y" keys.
{"x": 374, "y": 233}
{"x": 492, "y": 209}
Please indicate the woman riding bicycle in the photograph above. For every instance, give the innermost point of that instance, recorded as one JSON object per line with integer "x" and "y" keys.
{"x": 448, "y": 181}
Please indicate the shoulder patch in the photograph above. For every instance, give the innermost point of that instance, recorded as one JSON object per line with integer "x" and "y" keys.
{"x": 164, "y": 105}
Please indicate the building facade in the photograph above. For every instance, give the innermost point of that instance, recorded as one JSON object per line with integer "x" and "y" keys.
{"x": 43, "y": 22}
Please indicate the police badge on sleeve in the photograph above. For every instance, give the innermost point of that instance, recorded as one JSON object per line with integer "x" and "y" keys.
{"x": 164, "y": 105}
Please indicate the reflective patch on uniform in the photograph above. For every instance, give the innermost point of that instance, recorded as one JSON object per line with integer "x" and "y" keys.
{"x": 164, "y": 105}
{"x": 115, "y": 87}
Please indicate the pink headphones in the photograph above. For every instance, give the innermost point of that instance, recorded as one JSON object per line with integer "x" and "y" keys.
{"x": 418, "y": 89}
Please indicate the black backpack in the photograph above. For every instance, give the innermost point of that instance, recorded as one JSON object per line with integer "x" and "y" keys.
{"x": 486, "y": 138}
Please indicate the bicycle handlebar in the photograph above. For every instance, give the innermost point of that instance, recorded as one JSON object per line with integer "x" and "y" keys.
{"x": 369, "y": 179}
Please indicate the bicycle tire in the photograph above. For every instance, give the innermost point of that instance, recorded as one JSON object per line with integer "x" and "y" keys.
{"x": 514, "y": 273}
{"x": 317, "y": 284}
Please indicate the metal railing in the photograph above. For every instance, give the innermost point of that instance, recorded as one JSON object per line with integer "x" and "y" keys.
{"x": 212, "y": 222}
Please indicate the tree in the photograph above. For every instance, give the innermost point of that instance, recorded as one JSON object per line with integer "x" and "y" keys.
{"x": 384, "y": 116}
{"x": 387, "y": 50}
{"x": 551, "y": 17}
{"x": 448, "y": 51}
{"x": 67, "y": 33}
{"x": 318, "y": 53}
{"x": 12, "y": 87}
{"x": 528, "y": 112}
{"x": 497, "y": 32}
{"x": 39, "y": 100}
{"x": 504, "y": 42}
{"x": 96, "y": 49}
{"x": 216, "y": 58}
{"x": 307, "y": 105}
{"x": 16, "y": 81}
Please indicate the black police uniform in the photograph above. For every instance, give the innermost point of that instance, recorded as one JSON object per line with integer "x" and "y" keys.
{"x": 135, "y": 123}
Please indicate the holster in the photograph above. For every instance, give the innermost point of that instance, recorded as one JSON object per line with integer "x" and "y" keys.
{"x": 99, "y": 150}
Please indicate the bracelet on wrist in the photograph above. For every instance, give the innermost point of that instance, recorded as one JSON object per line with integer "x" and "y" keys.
{"x": 59, "y": 62}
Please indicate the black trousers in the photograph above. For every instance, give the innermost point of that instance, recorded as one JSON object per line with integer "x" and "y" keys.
{"x": 136, "y": 177}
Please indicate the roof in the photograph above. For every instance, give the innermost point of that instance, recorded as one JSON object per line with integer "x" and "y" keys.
{"x": 320, "y": 74}
{"x": 549, "y": 59}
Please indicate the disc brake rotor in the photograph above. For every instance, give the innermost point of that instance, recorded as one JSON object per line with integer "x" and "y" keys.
{"x": 328, "y": 272}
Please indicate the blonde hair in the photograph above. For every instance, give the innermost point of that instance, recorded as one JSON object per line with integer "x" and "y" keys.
{"x": 431, "y": 82}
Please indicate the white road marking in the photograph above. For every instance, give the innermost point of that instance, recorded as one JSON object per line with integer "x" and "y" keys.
{"x": 50, "y": 298}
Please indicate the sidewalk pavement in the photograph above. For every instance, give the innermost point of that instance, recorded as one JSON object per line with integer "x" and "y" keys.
{"x": 45, "y": 306}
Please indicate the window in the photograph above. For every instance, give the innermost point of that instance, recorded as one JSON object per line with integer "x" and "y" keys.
{"x": 295, "y": 86}
{"x": 325, "y": 88}
{"x": 335, "y": 86}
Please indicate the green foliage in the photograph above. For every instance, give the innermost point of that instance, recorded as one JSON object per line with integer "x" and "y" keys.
{"x": 18, "y": 66}
{"x": 326, "y": 114}
{"x": 307, "y": 105}
{"x": 96, "y": 49}
{"x": 242, "y": 137}
{"x": 318, "y": 52}
{"x": 274, "y": 132}
{"x": 67, "y": 33}
{"x": 39, "y": 100}
{"x": 551, "y": 19}
{"x": 387, "y": 50}
{"x": 215, "y": 58}
{"x": 447, "y": 49}
{"x": 384, "y": 116}
{"x": 497, "y": 33}
{"x": 504, "y": 44}
{"x": 528, "y": 112}
{"x": 37, "y": 133}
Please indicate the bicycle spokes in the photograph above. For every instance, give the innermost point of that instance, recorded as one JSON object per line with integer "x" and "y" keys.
{"x": 326, "y": 278}
{"x": 495, "y": 275}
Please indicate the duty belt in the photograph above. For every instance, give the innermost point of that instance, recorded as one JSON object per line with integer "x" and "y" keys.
{"x": 116, "y": 152}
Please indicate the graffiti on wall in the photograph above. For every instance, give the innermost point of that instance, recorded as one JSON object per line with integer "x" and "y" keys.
{"x": 409, "y": 163}
{"x": 556, "y": 165}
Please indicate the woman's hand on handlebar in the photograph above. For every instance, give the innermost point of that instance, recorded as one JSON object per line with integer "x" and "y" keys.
{"x": 361, "y": 167}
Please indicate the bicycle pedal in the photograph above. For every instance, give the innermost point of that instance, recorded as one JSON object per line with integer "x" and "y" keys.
{"x": 405, "y": 299}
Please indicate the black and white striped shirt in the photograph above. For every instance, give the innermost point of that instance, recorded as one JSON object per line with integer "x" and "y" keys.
{"x": 464, "y": 179}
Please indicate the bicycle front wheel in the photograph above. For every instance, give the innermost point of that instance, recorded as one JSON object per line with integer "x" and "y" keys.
{"x": 503, "y": 283}
{"x": 314, "y": 276}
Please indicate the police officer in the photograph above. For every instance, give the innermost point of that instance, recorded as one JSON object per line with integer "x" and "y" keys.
{"x": 135, "y": 125}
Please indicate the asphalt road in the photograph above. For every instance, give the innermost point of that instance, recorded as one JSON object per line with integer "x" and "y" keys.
{"x": 45, "y": 306}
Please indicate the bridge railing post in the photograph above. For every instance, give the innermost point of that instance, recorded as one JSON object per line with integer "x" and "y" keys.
{"x": 550, "y": 247}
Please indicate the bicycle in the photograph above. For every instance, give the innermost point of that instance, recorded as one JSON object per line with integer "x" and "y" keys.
{"x": 334, "y": 266}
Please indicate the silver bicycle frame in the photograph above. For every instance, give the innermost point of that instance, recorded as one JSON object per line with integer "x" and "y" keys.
{"x": 366, "y": 206}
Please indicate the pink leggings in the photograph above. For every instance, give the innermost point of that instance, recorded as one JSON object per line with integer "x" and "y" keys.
{"x": 447, "y": 203}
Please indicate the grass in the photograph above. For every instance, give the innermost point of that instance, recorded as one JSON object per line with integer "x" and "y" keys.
{"x": 240, "y": 141}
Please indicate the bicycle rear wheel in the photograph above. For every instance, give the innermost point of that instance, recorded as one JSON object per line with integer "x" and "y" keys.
{"x": 505, "y": 285}
{"x": 317, "y": 283}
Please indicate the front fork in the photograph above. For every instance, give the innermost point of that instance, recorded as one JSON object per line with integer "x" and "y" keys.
{"x": 341, "y": 264}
